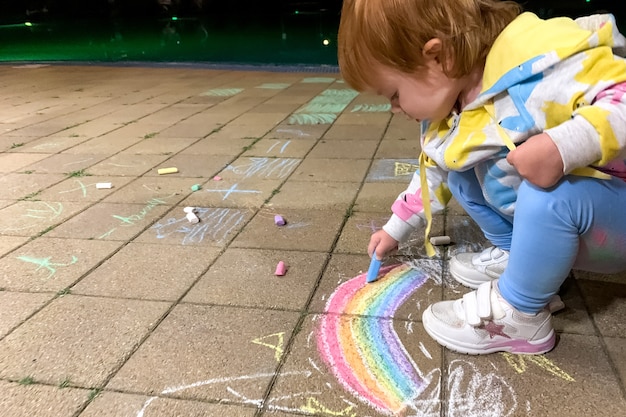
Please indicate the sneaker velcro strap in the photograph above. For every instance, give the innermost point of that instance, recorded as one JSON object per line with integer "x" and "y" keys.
{"x": 483, "y": 299}
{"x": 470, "y": 307}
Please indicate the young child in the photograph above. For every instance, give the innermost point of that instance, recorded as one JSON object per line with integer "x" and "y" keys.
{"x": 523, "y": 121}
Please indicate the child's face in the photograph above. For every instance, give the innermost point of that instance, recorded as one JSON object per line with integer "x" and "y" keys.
{"x": 427, "y": 95}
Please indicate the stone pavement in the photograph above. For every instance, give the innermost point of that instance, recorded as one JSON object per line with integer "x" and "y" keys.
{"x": 113, "y": 304}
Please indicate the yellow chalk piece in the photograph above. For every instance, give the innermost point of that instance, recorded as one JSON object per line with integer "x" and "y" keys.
{"x": 167, "y": 171}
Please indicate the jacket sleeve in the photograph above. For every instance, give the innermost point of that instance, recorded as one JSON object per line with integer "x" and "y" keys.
{"x": 596, "y": 133}
{"x": 408, "y": 209}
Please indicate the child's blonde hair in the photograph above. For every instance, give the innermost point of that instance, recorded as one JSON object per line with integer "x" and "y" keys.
{"x": 393, "y": 33}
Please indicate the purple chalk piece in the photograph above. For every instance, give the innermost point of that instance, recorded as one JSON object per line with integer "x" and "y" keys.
{"x": 279, "y": 221}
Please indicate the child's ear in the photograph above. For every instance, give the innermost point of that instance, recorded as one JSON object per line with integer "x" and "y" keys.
{"x": 432, "y": 50}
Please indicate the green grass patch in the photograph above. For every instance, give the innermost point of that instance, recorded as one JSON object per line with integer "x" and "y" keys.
{"x": 26, "y": 381}
{"x": 79, "y": 173}
{"x": 31, "y": 197}
{"x": 93, "y": 394}
{"x": 64, "y": 291}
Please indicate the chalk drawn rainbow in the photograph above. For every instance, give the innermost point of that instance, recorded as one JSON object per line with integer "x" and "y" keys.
{"x": 357, "y": 340}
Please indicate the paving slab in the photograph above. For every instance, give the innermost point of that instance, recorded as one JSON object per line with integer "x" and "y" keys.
{"x": 378, "y": 197}
{"x": 355, "y": 132}
{"x": 9, "y": 243}
{"x": 19, "y": 400}
{"x": 167, "y": 189}
{"x": 16, "y": 307}
{"x": 112, "y": 221}
{"x": 344, "y": 149}
{"x": 159, "y": 145}
{"x": 616, "y": 347}
{"x": 49, "y": 144}
{"x": 398, "y": 148}
{"x": 213, "y": 146}
{"x": 289, "y": 131}
{"x": 307, "y": 230}
{"x": 10, "y": 162}
{"x": 605, "y": 301}
{"x": 219, "y": 192}
{"x": 327, "y": 170}
{"x": 110, "y": 142}
{"x": 81, "y": 340}
{"x": 34, "y": 218}
{"x": 17, "y": 186}
{"x": 67, "y": 164}
{"x": 127, "y": 165}
{"x": 250, "y": 273}
{"x": 260, "y": 168}
{"x": 296, "y": 194}
{"x": 280, "y": 148}
{"x": 209, "y": 353}
{"x": 392, "y": 170}
{"x": 196, "y": 166}
{"x": 83, "y": 188}
{"x": 147, "y": 272}
{"x": 114, "y": 404}
{"x": 51, "y": 265}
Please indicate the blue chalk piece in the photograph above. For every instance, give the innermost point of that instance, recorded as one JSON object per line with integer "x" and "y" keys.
{"x": 372, "y": 272}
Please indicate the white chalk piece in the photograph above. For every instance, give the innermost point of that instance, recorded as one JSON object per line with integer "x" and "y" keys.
{"x": 191, "y": 216}
{"x": 440, "y": 240}
{"x": 189, "y": 209}
{"x": 101, "y": 185}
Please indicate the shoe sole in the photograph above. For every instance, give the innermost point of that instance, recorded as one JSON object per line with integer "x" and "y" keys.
{"x": 524, "y": 347}
{"x": 464, "y": 279}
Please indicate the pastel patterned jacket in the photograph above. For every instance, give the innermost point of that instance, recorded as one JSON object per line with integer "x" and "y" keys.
{"x": 560, "y": 76}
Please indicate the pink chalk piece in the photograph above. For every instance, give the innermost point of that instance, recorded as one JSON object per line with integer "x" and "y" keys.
{"x": 281, "y": 269}
{"x": 279, "y": 220}
{"x": 217, "y": 178}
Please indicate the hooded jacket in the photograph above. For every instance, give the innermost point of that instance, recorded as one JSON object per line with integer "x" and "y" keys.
{"x": 559, "y": 76}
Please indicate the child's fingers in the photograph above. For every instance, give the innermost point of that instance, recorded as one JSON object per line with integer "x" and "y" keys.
{"x": 374, "y": 241}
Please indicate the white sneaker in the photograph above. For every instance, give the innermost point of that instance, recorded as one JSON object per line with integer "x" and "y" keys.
{"x": 472, "y": 269}
{"x": 483, "y": 322}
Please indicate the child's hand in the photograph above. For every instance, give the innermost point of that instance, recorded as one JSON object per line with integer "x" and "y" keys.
{"x": 538, "y": 160}
{"x": 382, "y": 243}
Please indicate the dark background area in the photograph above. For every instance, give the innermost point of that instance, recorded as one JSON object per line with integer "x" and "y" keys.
{"x": 277, "y": 32}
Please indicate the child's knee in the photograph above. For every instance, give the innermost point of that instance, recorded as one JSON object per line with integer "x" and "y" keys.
{"x": 536, "y": 201}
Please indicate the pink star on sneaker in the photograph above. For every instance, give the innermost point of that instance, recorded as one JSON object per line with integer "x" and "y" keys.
{"x": 494, "y": 329}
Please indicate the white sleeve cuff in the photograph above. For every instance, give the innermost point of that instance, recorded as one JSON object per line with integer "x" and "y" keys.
{"x": 398, "y": 228}
{"x": 577, "y": 143}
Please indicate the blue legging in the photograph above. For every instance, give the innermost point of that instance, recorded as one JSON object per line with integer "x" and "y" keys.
{"x": 577, "y": 224}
